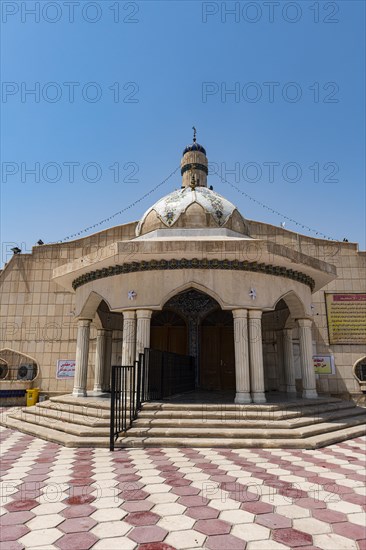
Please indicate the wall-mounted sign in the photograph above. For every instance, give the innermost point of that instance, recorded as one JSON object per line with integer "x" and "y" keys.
{"x": 324, "y": 364}
{"x": 65, "y": 368}
{"x": 346, "y": 314}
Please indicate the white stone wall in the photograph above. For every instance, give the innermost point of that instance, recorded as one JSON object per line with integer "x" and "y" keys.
{"x": 36, "y": 315}
{"x": 351, "y": 277}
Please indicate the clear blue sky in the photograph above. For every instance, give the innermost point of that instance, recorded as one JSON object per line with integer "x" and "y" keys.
{"x": 162, "y": 55}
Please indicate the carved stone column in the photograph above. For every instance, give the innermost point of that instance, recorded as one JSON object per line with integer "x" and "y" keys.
{"x": 288, "y": 357}
{"x": 129, "y": 338}
{"x": 82, "y": 355}
{"x": 306, "y": 358}
{"x": 280, "y": 362}
{"x": 242, "y": 373}
{"x": 142, "y": 330}
{"x": 107, "y": 361}
{"x": 256, "y": 356}
{"x": 99, "y": 360}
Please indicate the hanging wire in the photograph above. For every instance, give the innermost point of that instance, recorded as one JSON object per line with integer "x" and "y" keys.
{"x": 120, "y": 211}
{"x": 272, "y": 210}
{"x": 299, "y": 224}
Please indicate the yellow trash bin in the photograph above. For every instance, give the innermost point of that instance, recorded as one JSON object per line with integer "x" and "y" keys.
{"x": 32, "y": 396}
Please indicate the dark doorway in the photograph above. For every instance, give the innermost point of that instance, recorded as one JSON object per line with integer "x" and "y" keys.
{"x": 217, "y": 357}
{"x": 168, "y": 332}
{"x": 193, "y": 323}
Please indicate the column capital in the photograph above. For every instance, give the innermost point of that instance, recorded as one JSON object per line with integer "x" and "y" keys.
{"x": 129, "y": 314}
{"x": 102, "y": 331}
{"x": 84, "y": 322}
{"x": 240, "y": 313}
{"x": 307, "y": 323}
{"x": 144, "y": 313}
{"x": 255, "y": 313}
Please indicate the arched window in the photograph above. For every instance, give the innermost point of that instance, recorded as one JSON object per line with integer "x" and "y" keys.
{"x": 17, "y": 366}
{"x": 359, "y": 372}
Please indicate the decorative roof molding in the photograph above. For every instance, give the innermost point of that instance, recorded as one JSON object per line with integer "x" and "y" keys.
{"x": 195, "y": 263}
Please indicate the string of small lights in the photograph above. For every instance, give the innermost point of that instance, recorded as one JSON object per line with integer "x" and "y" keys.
{"x": 273, "y": 211}
{"x": 240, "y": 191}
{"x": 102, "y": 222}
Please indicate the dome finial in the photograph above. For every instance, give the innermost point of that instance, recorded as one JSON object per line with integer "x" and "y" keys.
{"x": 194, "y": 134}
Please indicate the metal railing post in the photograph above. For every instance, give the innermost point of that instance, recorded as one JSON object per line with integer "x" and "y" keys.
{"x": 111, "y": 427}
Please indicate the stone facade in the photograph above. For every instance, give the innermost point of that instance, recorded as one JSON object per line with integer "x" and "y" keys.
{"x": 37, "y": 315}
{"x": 73, "y": 300}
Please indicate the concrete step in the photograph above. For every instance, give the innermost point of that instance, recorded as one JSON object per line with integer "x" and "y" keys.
{"x": 28, "y": 417}
{"x": 252, "y": 412}
{"x": 244, "y": 432}
{"x": 85, "y": 408}
{"x": 66, "y": 417}
{"x": 84, "y": 422}
{"x": 242, "y": 421}
{"x": 239, "y": 443}
{"x": 91, "y": 401}
{"x": 64, "y": 411}
{"x": 161, "y": 405}
{"x": 56, "y": 436}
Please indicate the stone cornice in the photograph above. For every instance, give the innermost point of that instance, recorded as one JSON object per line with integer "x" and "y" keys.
{"x": 195, "y": 263}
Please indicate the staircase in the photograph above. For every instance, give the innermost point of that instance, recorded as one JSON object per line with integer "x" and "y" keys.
{"x": 70, "y": 421}
{"x": 303, "y": 424}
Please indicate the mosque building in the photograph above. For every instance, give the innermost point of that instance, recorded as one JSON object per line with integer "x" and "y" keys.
{"x": 261, "y": 309}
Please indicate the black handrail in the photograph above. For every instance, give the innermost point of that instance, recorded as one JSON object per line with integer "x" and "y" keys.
{"x": 155, "y": 375}
{"x": 168, "y": 373}
{"x": 123, "y": 401}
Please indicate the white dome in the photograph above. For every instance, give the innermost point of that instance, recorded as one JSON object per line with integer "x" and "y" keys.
{"x": 170, "y": 208}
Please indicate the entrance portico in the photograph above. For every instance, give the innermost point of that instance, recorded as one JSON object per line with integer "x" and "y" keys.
{"x": 227, "y": 346}
{"x": 193, "y": 280}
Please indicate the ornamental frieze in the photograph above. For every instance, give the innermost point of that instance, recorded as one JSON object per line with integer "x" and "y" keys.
{"x": 195, "y": 263}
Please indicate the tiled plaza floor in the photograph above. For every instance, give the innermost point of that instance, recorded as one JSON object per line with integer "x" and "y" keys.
{"x": 161, "y": 499}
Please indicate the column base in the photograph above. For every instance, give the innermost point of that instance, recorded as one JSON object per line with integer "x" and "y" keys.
{"x": 309, "y": 394}
{"x": 259, "y": 397}
{"x": 242, "y": 398}
{"x": 291, "y": 389}
{"x": 97, "y": 389}
{"x": 97, "y": 394}
{"x": 78, "y": 392}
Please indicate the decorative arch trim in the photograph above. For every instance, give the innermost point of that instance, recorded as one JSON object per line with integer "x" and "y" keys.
{"x": 294, "y": 304}
{"x": 22, "y": 355}
{"x": 192, "y": 285}
{"x": 91, "y": 304}
{"x": 355, "y": 365}
{"x": 19, "y": 353}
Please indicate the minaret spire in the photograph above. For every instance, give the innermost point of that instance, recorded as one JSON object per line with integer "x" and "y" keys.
{"x": 194, "y": 164}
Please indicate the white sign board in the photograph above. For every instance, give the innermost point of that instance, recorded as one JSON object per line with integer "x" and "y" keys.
{"x": 65, "y": 368}
{"x": 324, "y": 364}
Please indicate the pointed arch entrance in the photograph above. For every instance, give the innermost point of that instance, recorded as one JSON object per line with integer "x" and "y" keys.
{"x": 193, "y": 323}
